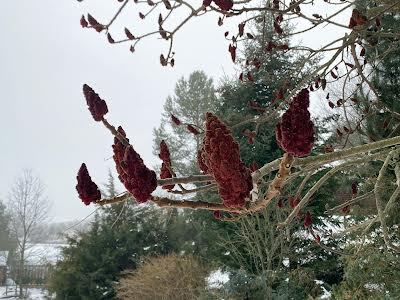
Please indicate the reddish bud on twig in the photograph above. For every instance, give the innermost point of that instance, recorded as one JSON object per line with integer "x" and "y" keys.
{"x": 224, "y": 4}
{"x": 192, "y": 129}
{"x": 175, "y": 120}
{"x": 323, "y": 83}
{"x": 270, "y": 46}
{"x": 277, "y": 28}
{"x": 254, "y": 166}
{"x": 165, "y": 171}
{"x": 110, "y": 39}
{"x": 250, "y": 135}
{"x": 307, "y": 220}
{"x": 317, "y": 239}
{"x": 354, "y": 189}
{"x": 346, "y": 209}
{"x": 217, "y": 214}
{"x": 83, "y": 22}
{"x": 163, "y": 61}
{"x": 167, "y": 4}
{"x": 241, "y": 29}
{"x": 232, "y": 51}
{"x": 280, "y": 203}
{"x": 96, "y": 25}
{"x": 164, "y": 154}
{"x": 293, "y": 201}
{"x": 128, "y": 34}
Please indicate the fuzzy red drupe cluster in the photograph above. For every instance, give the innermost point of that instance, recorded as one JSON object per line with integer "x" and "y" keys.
{"x": 97, "y": 106}
{"x": 295, "y": 131}
{"x": 136, "y": 177}
{"x": 87, "y": 189}
{"x": 165, "y": 172}
{"x": 222, "y": 158}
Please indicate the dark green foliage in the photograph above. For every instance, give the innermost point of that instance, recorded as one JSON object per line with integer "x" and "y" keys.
{"x": 373, "y": 274}
{"x": 269, "y": 275}
{"x": 120, "y": 235}
{"x": 93, "y": 260}
{"x": 383, "y": 54}
{"x": 6, "y": 241}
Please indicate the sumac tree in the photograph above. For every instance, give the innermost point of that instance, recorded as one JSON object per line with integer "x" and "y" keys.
{"x": 244, "y": 191}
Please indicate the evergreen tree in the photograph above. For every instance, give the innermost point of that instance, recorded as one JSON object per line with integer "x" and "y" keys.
{"x": 113, "y": 215}
{"x": 93, "y": 260}
{"x": 381, "y": 116}
{"x": 6, "y": 241}
{"x": 118, "y": 240}
{"x": 257, "y": 248}
{"x": 273, "y": 72}
{"x": 192, "y": 99}
{"x": 372, "y": 274}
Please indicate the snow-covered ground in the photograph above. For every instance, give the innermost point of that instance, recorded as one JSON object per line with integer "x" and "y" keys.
{"x": 217, "y": 278}
{"x": 41, "y": 254}
{"x": 33, "y": 294}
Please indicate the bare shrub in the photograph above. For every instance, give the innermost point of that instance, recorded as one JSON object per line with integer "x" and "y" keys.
{"x": 166, "y": 277}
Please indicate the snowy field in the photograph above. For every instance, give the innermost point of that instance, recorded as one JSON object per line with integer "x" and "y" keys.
{"x": 33, "y": 294}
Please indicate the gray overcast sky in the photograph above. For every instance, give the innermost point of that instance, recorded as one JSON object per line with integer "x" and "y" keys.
{"x": 45, "y": 57}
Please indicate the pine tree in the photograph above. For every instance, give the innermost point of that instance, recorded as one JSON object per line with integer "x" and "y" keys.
{"x": 93, "y": 260}
{"x": 193, "y": 97}
{"x": 6, "y": 241}
{"x": 271, "y": 73}
{"x": 262, "y": 273}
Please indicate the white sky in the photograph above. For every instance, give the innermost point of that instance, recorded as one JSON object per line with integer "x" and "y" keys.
{"x": 45, "y": 57}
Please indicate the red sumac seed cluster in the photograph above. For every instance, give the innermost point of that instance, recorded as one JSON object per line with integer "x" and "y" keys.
{"x": 97, "y": 106}
{"x": 295, "y": 130}
{"x": 222, "y": 157}
{"x": 165, "y": 171}
{"x": 136, "y": 177}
